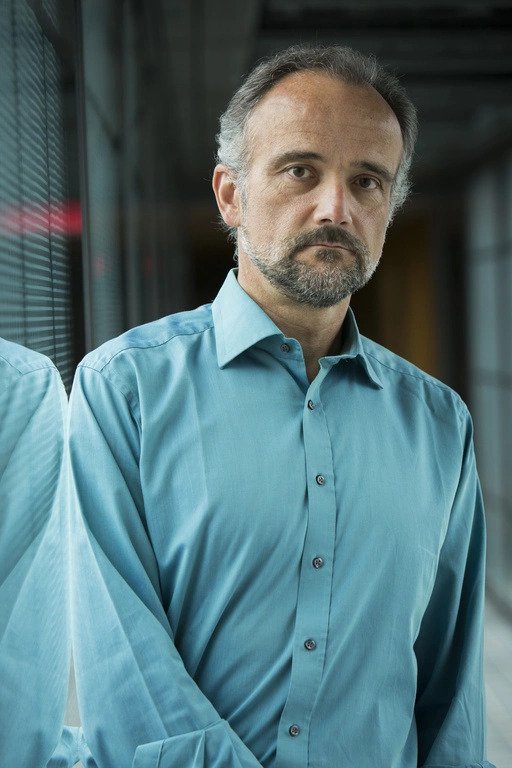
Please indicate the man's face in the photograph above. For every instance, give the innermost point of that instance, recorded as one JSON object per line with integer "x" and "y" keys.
{"x": 315, "y": 202}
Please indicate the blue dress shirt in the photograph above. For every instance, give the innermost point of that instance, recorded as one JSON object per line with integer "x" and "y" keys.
{"x": 272, "y": 572}
{"x": 34, "y": 636}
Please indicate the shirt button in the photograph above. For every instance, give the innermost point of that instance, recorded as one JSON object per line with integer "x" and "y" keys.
{"x": 311, "y": 405}
{"x": 318, "y": 562}
{"x": 294, "y": 730}
{"x": 285, "y": 347}
{"x": 309, "y": 644}
{"x": 320, "y": 479}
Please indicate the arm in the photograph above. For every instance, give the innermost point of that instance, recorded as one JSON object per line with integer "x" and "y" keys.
{"x": 138, "y": 703}
{"x": 450, "y": 705}
{"x": 34, "y": 650}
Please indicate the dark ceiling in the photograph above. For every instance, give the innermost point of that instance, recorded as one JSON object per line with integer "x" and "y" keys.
{"x": 454, "y": 58}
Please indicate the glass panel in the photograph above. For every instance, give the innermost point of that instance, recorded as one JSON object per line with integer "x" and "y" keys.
{"x": 482, "y": 319}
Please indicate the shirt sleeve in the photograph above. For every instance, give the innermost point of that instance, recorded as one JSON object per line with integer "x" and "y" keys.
{"x": 450, "y": 703}
{"x": 34, "y": 638}
{"x": 138, "y": 704}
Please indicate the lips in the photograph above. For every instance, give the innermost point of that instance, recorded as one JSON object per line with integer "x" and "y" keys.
{"x": 332, "y": 245}
{"x": 335, "y": 238}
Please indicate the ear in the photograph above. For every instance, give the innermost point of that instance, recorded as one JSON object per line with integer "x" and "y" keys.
{"x": 227, "y": 195}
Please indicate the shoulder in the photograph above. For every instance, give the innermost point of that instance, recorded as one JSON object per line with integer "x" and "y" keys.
{"x": 150, "y": 339}
{"x": 19, "y": 364}
{"x": 21, "y": 359}
{"x": 406, "y": 379}
{"x": 30, "y": 384}
{"x": 144, "y": 357}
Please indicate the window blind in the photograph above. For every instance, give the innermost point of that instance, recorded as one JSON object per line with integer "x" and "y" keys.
{"x": 35, "y": 300}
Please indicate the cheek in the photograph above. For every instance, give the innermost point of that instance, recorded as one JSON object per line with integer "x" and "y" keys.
{"x": 271, "y": 216}
{"x": 260, "y": 220}
{"x": 375, "y": 229}
{"x": 259, "y": 225}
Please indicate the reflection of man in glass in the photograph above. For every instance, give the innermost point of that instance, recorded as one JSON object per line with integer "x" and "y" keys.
{"x": 281, "y": 559}
{"x": 33, "y": 615}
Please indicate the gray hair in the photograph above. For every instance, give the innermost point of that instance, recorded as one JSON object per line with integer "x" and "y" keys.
{"x": 338, "y": 62}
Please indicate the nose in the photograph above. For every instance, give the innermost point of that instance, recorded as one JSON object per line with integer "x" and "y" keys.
{"x": 334, "y": 204}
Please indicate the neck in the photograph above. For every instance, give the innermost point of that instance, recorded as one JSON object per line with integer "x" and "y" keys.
{"x": 317, "y": 329}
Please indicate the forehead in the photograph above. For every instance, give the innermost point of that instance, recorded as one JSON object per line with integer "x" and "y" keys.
{"x": 309, "y": 109}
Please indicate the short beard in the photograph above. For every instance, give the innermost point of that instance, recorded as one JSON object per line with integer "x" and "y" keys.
{"x": 304, "y": 283}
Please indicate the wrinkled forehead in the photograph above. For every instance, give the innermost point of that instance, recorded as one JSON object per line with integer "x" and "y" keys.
{"x": 313, "y": 103}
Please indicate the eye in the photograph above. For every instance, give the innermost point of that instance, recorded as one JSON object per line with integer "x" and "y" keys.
{"x": 368, "y": 182}
{"x": 299, "y": 172}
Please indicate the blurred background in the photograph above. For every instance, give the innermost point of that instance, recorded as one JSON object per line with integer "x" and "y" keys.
{"x": 108, "y": 113}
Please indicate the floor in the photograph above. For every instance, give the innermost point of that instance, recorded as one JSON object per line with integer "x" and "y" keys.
{"x": 498, "y": 677}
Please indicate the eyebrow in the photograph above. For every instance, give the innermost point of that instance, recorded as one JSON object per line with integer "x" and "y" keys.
{"x": 294, "y": 156}
{"x": 377, "y": 168}
{"x": 297, "y": 156}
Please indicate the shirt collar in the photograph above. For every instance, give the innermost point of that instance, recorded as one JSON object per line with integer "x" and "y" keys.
{"x": 240, "y": 323}
{"x": 353, "y": 348}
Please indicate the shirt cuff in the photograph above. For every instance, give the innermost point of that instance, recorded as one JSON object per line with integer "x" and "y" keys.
{"x": 215, "y": 747}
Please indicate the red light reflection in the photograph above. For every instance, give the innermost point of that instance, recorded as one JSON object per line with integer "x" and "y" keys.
{"x": 56, "y": 218}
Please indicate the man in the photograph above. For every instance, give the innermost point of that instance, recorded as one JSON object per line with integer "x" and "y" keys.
{"x": 34, "y": 632}
{"x": 280, "y": 547}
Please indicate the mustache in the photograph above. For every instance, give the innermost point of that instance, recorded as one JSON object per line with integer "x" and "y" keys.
{"x": 329, "y": 233}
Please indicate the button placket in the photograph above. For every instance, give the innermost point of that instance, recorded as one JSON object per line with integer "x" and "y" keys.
{"x": 314, "y": 596}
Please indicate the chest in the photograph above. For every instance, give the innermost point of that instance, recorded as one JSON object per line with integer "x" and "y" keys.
{"x": 233, "y": 461}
